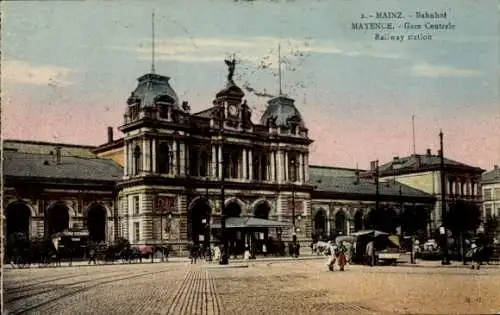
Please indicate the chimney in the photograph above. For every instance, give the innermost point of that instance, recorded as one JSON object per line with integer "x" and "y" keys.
{"x": 373, "y": 165}
{"x": 439, "y": 152}
{"x": 395, "y": 158}
{"x": 58, "y": 155}
{"x": 110, "y": 134}
{"x": 429, "y": 152}
{"x": 496, "y": 167}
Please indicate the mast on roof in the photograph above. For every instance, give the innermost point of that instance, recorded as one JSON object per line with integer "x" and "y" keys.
{"x": 153, "y": 70}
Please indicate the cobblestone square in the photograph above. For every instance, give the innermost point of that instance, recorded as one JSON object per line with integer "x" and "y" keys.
{"x": 273, "y": 287}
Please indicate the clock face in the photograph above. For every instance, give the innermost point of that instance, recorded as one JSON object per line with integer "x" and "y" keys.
{"x": 233, "y": 110}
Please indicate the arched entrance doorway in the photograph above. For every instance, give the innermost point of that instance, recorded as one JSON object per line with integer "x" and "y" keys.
{"x": 320, "y": 225}
{"x": 18, "y": 216}
{"x": 234, "y": 235}
{"x": 200, "y": 221}
{"x": 96, "y": 223}
{"x": 57, "y": 218}
{"x": 232, "y": 210}
{"x": 259, "y": 236}
{"x": 262, "y": 211}
{"x": 358, "y": 221}
{"x": 340, "y": 226}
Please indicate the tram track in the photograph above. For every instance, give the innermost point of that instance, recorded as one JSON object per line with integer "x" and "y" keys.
{"x": 46, "y": 280}
{"x": 73, "y": 291}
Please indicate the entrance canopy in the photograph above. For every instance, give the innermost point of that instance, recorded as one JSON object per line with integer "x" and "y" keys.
{"x": 251, "y": 222}
{"x": 71, "y": 233}
{"x": 373, "y": 233}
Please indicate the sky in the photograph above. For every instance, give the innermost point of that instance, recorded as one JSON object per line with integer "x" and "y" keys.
{"x": 68, "y": 68}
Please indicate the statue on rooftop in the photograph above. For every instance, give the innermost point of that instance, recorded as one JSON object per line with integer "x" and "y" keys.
{"x": 230, "y": 66}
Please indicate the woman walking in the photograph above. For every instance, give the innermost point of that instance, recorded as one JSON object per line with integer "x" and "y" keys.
{"x": 341, "y": 258}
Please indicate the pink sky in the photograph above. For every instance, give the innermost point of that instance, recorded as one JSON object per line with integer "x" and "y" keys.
{"x": 67, "y": 82}
{"x": 338, "y": 141}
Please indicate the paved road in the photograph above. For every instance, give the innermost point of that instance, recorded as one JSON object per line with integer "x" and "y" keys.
{"x": 273, "y": 287}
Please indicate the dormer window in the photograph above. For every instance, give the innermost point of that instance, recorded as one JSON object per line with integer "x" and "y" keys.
{"x": 163, "y": 113}
{"x": 134, "y": 111}
{"x": 293, "y": 129}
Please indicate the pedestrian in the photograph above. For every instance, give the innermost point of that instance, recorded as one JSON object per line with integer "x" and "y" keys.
{"x": 264, "y": 250}
{"x": 246, "y": 255}
{"x": 92, "y": 254}
{"x": 351, "y": 253}
{"x": 370, "y": 253}
{"x": 331, "y": 258}
{"x": 194, "y": 253}
{"x": 341, "y": 259}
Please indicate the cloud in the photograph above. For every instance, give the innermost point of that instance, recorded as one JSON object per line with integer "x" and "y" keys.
{"x": 254, "y": 49}
{"x": 425, "y": 69}
{"x": 22, "y": 72}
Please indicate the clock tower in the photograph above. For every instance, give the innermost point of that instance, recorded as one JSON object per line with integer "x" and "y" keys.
{"x": 229, "y": 105}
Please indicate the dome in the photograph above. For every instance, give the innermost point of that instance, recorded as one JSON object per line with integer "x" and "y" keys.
{"x": 151, "y": 88}
{"x": 282, "y": 110}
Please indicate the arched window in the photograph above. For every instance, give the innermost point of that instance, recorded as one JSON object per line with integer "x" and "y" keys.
{"x": 163, "y": 158}
{"x": 137, "y": 160}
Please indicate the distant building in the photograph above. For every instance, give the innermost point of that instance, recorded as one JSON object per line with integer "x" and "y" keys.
{"x": 423, "y": 172}
{"x": 51, "y": 187}
{"x": 490, "y": 185}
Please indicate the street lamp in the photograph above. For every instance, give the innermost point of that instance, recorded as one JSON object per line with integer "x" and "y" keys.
{"x": 223, "y": 257}
{"x": 292, "y": 162}
{"x": 442, "y": 229}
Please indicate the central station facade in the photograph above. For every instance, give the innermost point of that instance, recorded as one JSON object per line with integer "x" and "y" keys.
{"x": 168, "y": 168}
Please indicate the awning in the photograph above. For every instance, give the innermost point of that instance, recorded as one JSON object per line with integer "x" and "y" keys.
{"x": 73, "y": 233}
{"x": 373, "y": 233}
{"x": 251, "y": 222}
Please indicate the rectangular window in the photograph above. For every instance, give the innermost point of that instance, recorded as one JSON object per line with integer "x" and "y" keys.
{"x": 136, "y": 232}
{"x": 497, "y": 194}
{"x": 136, "y": 204}
{"x": 487, "y": 194}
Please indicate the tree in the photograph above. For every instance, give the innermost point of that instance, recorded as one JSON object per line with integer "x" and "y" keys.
{"x": 462, "y": 217}
{"x": 491, "y": 227}
{"x": 384, "y": 219}
{"x": 414, "y": 220}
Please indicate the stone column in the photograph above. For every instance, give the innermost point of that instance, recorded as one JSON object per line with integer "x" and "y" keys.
{"x": 301, "y": 168}
{"x": 145, "y": 155}
{"x": 245, "y": 164}
{"x": 174, "y": 158}
{"x": 213, "y": 162}
{"x": 125, "y": 160}
{"x": 279, "y": 166}
{"x": 220, "y": 166}
{"x": 286, "y": 175}
{"x": 250, "y": 164}
{"x": 153, "y": 154}
{"x": 306, "y": 167}
{"x": 182, "y": 158}
{"x": 273, "y": 166}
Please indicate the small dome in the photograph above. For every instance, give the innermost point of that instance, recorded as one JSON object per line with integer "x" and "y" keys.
{"x": 152, "y": 88}
{"x": 282, "y": 110}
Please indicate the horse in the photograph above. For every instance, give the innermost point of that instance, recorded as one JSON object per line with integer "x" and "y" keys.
{"x": 322, "y": 248}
